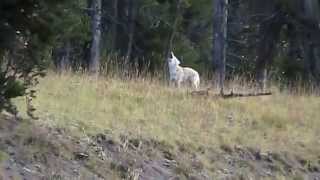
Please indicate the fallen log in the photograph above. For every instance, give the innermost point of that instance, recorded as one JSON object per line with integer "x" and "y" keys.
{"x": 234, "y": 95}
{"x": 200, "y": 93}
{"x": 226, "y": 96}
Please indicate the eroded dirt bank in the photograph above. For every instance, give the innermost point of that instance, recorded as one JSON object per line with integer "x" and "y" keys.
{"x": 35, "y": 152}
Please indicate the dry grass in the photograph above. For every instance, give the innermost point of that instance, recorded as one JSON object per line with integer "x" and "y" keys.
{"x": 148, "y": 109}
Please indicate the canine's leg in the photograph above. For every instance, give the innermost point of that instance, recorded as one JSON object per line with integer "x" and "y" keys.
{"x": 175, "y": 83}
{"x": 172, "y": 83}
{"x": 196, "y": 84}
{"x": 178, "y": 84}
{"x": 196, "y": 81}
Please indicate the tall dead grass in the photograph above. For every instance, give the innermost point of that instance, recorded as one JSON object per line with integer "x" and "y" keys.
{"x": 148, "y": 108}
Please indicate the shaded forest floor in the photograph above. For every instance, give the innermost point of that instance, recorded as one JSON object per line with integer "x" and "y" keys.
{"x": 140, "y": 129}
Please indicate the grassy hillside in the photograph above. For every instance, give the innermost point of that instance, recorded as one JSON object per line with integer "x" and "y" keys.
{"x": 148, "y": 109}
{"x": 275, "y": 137}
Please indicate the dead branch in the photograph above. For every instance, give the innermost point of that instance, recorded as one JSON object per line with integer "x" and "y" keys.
{"x": 230, "y": 95}
{"x": 233, "y": 95}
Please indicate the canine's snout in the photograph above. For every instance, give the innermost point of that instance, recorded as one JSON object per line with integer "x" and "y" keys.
{"x": 171, "y": 55}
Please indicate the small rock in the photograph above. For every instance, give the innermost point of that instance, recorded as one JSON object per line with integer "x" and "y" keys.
{"x": 9, "y": 142}
{"x": 75, "y": 171}
{"x": 226, "y": 148}
{"x": 225, "y": 171}
{"x": 169, "y": 163}
{"x": 266, "y": 156}
{"x": 11, "y": 150}
{"x": 38, "y": 167}
{"x": 81, "y": 156}
{"x": 27, "y": 170}
{"x": 100, "y": 138}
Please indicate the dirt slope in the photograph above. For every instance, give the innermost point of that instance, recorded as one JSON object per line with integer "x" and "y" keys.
{"x": 32, "y": 152}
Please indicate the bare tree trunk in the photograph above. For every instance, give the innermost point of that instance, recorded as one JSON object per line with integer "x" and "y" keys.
{"x": 62, "y": 57}
{"x": 264, "y": 57}
{"x": 312, "y": 10}
{"x": 94, "y": 62}
{"x": 311, "y": 59}
{"x": 174, "y": 29}
{"x": 65, "y": 61}
{"x": 220, "y": 20}
{"x": 316, "y": 69}
{"x": 270, "y": 34}
{"x": 131, "y": 27}
{"x": 171, "y": 37}
{"x": 114, "y": 24}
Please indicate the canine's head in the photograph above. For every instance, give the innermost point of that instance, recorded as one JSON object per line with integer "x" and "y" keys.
{"x": 172, "y": 60}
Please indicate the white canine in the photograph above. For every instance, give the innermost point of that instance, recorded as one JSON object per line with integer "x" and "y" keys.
{"x": 179, "y": 75}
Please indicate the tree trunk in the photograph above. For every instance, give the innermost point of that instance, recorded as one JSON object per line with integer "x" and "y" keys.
{"x": 316, "y": 70}
{"x": 62, "y": 57}
{"x": 94, "y": 62}
{"x": 220, "y": 20}
{"x": 312, "y": 10}
{"x": 131, "y": 27}
{"x": 114, "y": 24}
{"x": 172, "y": 35}
{"x": 65, "y": 61}
{"x": 174, "y": 29}
{"x": 270, "y": 32}
{"x": 311, "y": 60}
{"x": 264, "y": 57}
